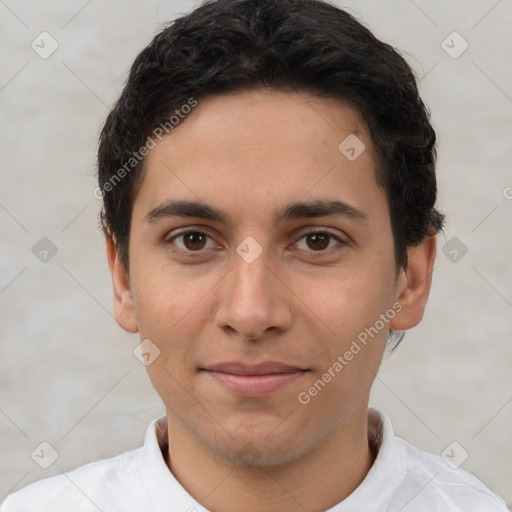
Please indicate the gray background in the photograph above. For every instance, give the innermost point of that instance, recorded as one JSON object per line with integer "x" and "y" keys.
{"x": 67, "y": 372}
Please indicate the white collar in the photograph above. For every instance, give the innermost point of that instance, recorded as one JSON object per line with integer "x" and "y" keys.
{"x": 165, "y": 491}
{"x": 386, "y": 473}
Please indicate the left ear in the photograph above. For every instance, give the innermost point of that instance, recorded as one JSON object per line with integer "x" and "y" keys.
{"x": 413, "y": 286}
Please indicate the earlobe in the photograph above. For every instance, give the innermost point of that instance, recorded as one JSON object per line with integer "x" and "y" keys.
{"x": 414, "y": 284}
{"x": 124, "y": 310}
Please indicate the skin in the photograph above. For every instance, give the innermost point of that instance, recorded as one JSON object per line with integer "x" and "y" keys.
{"x": 301, "y": 302}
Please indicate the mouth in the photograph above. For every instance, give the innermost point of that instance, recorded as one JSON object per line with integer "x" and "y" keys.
{"x": 254, "y": 380}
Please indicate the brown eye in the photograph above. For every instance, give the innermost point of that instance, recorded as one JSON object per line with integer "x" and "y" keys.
{"x": 194, "y": 240}
{"x": 190, "y": 241}
{"x": 318, "y": 241}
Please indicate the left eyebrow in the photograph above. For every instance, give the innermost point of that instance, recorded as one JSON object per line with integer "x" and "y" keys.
{"x": 296, "y": 210}
{"x": 319, "y": 208}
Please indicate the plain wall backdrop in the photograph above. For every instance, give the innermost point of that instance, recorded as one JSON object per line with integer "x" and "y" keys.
{"x": 68, "y": 375}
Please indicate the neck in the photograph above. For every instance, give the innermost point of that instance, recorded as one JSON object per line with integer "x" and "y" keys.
{"x": 315, "y": 482}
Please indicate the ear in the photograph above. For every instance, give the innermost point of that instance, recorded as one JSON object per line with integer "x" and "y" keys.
{"x": 124, "y": 311}
{"x": 414, "y": 283}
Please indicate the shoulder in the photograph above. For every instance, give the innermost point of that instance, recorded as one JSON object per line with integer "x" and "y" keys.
{"x": 407, "y": 479}
{"x": 432, "y": 482}
{"x": 105, "y": 484}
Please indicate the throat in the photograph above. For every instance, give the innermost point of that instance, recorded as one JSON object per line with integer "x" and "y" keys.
{"x": 318, "y": 480}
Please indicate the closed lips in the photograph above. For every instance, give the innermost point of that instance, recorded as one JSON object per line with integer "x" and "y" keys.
{"x": 254, "y": 381}
{"x": 254, "y": 370}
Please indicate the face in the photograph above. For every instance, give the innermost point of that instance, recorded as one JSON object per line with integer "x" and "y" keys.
{"x": 259, "y": 254}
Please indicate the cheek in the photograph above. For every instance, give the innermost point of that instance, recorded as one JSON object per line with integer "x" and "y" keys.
{"x": 350, "y": 306}
{"x": 352, "y": 350}
{"x": 345, "y": 300}
{"x": 172, "y": 308}
{"x": 166, "y": 294}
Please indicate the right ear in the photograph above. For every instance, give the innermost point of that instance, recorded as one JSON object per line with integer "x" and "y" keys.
{"x": 124, "y": 310}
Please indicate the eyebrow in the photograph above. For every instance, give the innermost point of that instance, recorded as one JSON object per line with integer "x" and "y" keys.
{"x": 296, "y": 210}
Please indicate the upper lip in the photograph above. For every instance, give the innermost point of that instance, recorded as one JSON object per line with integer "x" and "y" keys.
{"x": 267, "y": 368}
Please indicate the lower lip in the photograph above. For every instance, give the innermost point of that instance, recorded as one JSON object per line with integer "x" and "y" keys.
{"x": 255, "y": 385}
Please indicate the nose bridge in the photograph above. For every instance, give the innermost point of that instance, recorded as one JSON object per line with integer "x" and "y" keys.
{"x": 251, "y": 260}
{"x": 252, "y": 278}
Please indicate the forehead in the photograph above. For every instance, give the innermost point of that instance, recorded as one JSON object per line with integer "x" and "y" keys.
{"x": 259, "y": 150}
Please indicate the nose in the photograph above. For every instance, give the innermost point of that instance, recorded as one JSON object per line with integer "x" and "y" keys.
{"x": 253, "y": 300}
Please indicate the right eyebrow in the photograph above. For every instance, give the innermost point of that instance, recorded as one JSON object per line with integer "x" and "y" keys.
{"x": 173, "y": 208}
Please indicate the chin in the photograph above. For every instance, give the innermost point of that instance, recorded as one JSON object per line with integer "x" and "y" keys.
{"x": 253, "y": 449}
{"x": 251, "y": 455}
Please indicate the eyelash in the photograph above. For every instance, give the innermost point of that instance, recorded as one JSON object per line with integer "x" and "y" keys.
{"x": 320, "y": 252}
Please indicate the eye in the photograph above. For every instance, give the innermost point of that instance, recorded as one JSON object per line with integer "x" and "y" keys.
{"x": 319, "y": 241}
{"x": 195, "y": 241}
{"x": 190, "y": 241}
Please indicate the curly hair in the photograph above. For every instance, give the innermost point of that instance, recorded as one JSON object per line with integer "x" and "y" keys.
{"x": 305, "y": 46}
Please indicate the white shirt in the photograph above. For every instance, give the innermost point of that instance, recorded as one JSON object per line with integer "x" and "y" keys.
{"x": 403, "y": 478}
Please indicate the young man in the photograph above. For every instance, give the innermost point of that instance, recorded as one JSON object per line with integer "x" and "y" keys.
{"x": 268, "y": 177}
